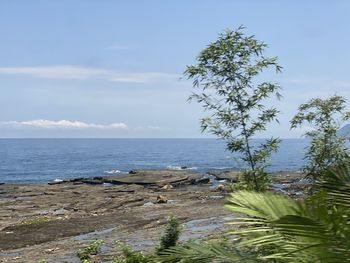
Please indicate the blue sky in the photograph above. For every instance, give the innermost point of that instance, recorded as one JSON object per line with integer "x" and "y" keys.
{"x": 113, "y": 68}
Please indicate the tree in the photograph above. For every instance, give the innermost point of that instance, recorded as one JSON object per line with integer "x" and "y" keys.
{"x": 327, "y": 148}
{"x": 227, "y": 71}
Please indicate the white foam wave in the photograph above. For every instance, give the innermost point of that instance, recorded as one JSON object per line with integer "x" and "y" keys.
{"x": 179, "y": 168}
{"x": 58, "y": 180}
{"x": 223, "y": 168}
{"x": 112, "y": 172}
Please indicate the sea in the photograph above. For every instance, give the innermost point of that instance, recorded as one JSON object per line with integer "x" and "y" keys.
{"x": 42, "y": 160}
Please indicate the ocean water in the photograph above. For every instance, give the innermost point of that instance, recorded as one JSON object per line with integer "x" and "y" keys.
{"x": 43, "y": 160}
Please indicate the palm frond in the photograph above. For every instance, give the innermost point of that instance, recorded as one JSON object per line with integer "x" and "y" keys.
{"x": 205, "y": 252}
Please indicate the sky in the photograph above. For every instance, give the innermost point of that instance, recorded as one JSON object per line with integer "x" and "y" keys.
{"x": 90, "y": 68}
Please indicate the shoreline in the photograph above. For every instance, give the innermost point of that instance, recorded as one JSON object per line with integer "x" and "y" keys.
{"x": 53, "y": 222}
{"x": 112, "y": 177}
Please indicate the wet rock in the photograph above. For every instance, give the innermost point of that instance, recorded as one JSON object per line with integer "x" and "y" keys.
{"x": 97, "y": 178}
{"x": 56, "y": 182}
{"x": 76, "y": 179}
{"x": 230, "y": 176}
{"x": 132, "y": 172}
{"x": 203, "y": 180}
{"x": 92, "y": 181}
{"x": 215, "y": 197}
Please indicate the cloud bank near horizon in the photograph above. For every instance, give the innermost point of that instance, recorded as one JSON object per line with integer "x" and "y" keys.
{"x": 72, "y": 72}
{"x": 62, "y": 124}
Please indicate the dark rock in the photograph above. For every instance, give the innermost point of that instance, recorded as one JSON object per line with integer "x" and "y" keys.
{"x": 203, "y": 180}
{"x": 56, "y": 182}
{"x": 98, "y": 178}
{"x": 183, "y": 167}
{"x": 76, "y": 179}
{"x": 92, "y": 181}
{"x": 132, "y": 172}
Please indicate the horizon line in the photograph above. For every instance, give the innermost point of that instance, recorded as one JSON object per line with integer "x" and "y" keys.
{"x": 156, "y": 138}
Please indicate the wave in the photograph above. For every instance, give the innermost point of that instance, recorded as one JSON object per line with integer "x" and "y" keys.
{"x": 224, "y": 168}
{"x": 179, "y": 168}
{"x": 58, "y": 180}
{"x": 112, "y": 172}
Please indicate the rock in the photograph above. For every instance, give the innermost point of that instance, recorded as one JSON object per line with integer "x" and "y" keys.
{"x": 153, "y": 177}
{"x": 220, "y": 187}
{"x": 230, "y": 176}
{"x": 2, "y": 183}
{"x": 167, "y": 187}
{"x": 161, "y": 199}
{"x": 76, "y": 179}
{"x": 60, "y": 211}
{"x": 183, "y": 167}
{"x": 92, "y": 181}
{"x": 148, "y": 204}
{"x": 56, "y": 182}
{"x": 216, "y": 197}
{"x": 97, "y": 178}
{"x": 203, "y": 180}
{"x": 287, "y": 177}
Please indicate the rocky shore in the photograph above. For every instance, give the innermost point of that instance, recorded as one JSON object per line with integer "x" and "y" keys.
{"x": 53, "y": 221}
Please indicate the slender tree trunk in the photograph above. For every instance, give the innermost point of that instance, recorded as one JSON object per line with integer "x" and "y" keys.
{"x": 248, "y": 149}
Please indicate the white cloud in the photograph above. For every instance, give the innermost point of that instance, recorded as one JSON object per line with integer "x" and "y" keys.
{"x": 148, "y": 128}
{"x": 150, "y": 77}
{"x": 81, "y": 73}
{"x": 61, "y": 124}
{"x": 57, "y": 72}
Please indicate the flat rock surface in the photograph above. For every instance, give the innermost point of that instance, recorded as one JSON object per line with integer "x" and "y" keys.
{"x": 158, "y": 177}
{"x": 53, "y": 222}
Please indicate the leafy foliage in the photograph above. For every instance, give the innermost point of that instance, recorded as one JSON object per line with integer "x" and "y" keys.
{"x": 227, "y": 73}
{"x": 92, "y": 249}
{"x": 36, "y": 220}
{"x": 171, "y": 234}
{"x": 247, "y": 179}
{"x": 131, "y": 256}
{"x": 327, "y": 147}
{"x": 219, "y": 250}
{"x": 168, "y": 240}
